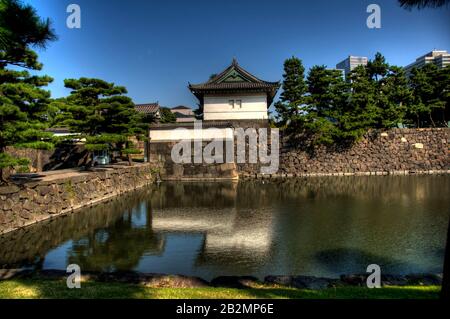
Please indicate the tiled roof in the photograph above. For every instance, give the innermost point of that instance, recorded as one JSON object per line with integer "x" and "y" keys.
{"x": 235, "y": 79}
{"x": 181, "y": 107}
{"x": 234, "y": 86}
{"x": 149, "y": 108}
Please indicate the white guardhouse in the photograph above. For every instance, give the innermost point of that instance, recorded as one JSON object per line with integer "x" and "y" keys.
{"x": 235, "y": 94}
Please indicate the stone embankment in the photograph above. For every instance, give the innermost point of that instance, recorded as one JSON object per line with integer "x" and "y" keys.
{"x": 240, "y": 282}
{"x": 379, "y": 152}
{"x": 50, "y": 194}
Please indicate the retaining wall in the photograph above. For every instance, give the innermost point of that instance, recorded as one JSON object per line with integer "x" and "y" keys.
{"x": 48, "y": 195}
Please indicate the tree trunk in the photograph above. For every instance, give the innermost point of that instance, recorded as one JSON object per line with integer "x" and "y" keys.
{"x": 130, "y": 161}
{"x": 87, "y": 161}
{"x": 445, "y": 292}
{"x": 432, "y": 122}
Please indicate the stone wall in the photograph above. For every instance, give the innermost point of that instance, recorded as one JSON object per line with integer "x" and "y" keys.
{"x": 160, "y": 155}
{"x": 25, "y": 203}
{"x": 395, "y": 151}
{"x": 63, "y": 156}
{"x": 29, "y": 245}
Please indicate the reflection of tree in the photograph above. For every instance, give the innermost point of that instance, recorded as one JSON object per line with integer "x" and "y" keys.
{"x": 29, "y": 246}
{"x": 116, "y": 248}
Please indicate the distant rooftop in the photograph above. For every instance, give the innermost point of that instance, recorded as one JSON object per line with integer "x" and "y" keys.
{"x": 148, "y": 108}
{"x": 181, "y": 115}
{"x": 181, "y": 107}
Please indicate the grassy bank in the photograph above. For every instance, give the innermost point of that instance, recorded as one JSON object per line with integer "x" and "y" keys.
{"x": 31, "y": 289}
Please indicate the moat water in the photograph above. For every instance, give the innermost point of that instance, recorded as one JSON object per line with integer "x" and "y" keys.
{"x": 315, "y": 226}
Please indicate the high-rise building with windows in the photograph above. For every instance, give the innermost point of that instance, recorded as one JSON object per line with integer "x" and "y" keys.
{"x": 350, "y": 63}
{"x": 440, "y": 58}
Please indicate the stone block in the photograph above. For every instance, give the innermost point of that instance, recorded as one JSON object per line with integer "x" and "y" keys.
{"x": 9, "y": 189}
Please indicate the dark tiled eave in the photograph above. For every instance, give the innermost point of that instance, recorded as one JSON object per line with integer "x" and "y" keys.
{"x": 249, "y": 84}
{"x": 234, "y": 86}
{"x": 148, "y": 108}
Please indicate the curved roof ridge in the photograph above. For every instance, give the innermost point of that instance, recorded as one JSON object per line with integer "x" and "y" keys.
{"x": 234, "y": 65}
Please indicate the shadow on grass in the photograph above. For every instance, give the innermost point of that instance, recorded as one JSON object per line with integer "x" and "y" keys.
{"x": 57, "y": 289}
{"x": 431, "y": 292}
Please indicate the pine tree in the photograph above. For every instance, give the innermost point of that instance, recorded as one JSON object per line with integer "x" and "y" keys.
{"x": 102, "y": 114}
{"x": 430, "y": 93}
{"x": 442, "y": 80}
{"x": 361, "y": 112}
{"x": 327, "y": 94}
{"x": 377, "y": 68}
{"x": 289, "y": 108}
{"x": 24, "y": 105}
{"x": 395, "y": 97}
{"x": 420, "y": 4}
{"x": 391, "y": 92}
{"x": 167, "y": 116}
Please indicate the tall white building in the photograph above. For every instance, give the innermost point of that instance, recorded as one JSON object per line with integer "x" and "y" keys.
{"x": 350, "y": 63}
{"x": 440, "y": 58}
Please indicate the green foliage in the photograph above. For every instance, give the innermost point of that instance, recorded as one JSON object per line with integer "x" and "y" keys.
{"x": 37, "y": 288}
{"x": 100, "y": 112}
{"x": 293, "y": 96}
{"x": 324, "y": 104}
{"x": 431, "y": 87}
{"x": 378, "y": 95}
{"x": 69, "y": 189}
{"x": 394, "y": 98}
{"x": 24, "y": 104}
{"x": 20, "y": 28}
{"x": 420, "y": 4}
{"x": 131, "y": 151}
{"x": 7, "y": 160}
{"x": 167, "y": 116}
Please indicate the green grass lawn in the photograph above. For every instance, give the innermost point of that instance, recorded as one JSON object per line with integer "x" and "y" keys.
{"x": 57, "y": 289}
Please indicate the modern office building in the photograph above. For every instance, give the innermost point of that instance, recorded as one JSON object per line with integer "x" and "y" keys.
{"x": 350, "y": 63}
{"x": 440, "y": 58}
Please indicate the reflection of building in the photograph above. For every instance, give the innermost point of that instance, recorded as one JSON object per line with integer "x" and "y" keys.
{"x": 245, "y": 232}
{"x": 233, "y": 99}
{"x": 439, "y": 57}
{"x": 350, "y": 63}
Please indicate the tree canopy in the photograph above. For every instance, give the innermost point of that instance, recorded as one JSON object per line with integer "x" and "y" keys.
{"x": 420, "y": 4}
{"x": 100, "y": 112}
{"x": 24, "y": 104}
{"x": 378, "y": 95}
{"x": 292, "y": 98}
{"x": 167, "y": 116}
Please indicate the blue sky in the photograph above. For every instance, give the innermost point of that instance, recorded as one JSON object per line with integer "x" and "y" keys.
{"x": 155, "y": 48}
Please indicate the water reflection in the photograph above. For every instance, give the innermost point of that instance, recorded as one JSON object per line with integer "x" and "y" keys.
{"x": 315, "y": 226}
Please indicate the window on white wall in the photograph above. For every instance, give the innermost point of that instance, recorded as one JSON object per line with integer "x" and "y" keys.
{"x": 239, "y": 104}
{"x": 231, "y": 102}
